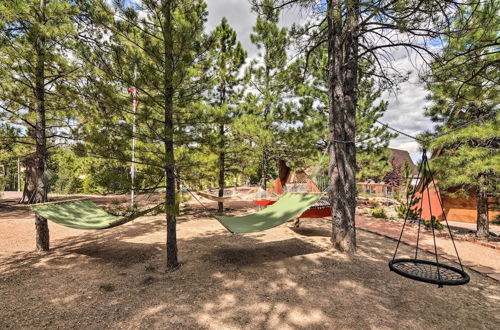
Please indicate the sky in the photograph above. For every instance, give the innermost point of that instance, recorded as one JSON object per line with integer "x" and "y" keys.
{"x": 406, "y": 105}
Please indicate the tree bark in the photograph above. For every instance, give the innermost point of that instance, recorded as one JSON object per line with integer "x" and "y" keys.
{"x": 265, "y": 168}
{"x": 39, "y": 195}
{"x": 222, "y": 158}
{"x": 171, "y": 203}
{"x": 29, "y": 174}
{"x": 222, "y": 154}
{"x": 482, "y": 213}
{"x": 342, "y": 79}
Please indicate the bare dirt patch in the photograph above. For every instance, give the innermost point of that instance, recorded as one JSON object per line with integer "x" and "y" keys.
{"x": 281, "y": 278}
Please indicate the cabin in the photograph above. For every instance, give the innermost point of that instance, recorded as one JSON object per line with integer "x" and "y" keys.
{"x": 397, "y": 160}
{"x": 456, "y": 207}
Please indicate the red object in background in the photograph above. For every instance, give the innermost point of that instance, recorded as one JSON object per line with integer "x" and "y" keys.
{"x": 278, "y": 187}
{"x": 317, "y": 212}
{"x": 264, "y": 202}
{"x": 434, "y": 207}
{"x": 134, "y": 93}
{"x": 314, "y": 212}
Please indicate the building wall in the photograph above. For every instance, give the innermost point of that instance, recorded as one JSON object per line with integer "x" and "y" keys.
{"x": 432, "y": 208}
{"x": 377, "y": 189}
{"x": 462, "y": 209}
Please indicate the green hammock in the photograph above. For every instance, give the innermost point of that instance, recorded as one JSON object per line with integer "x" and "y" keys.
{"x": 82, "y": 214}
{"x": 287, "y": 208}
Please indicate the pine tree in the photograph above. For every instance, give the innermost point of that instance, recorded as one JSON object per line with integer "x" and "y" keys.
{"x": 164, "y": 40}
{"x": 228, "y": 57}
{"x": 465, "y": 89}
{"x": 371, "y": 139}
{"x": 10, "y": 151}
{"x": 356, "y": 31}
{"x": 266, "y": 76}
{"x": 37, "y": 91}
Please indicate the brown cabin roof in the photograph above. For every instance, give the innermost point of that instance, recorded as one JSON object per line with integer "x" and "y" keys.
{"x": 401, "y": 157}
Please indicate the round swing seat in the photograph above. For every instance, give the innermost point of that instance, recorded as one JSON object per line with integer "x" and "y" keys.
{"x": 429, "y": 272}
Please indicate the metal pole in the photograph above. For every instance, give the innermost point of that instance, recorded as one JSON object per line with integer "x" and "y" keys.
{"x": 132, "y": 168}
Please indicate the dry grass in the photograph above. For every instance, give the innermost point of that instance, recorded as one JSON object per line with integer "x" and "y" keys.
{"x": 281, "y": 278}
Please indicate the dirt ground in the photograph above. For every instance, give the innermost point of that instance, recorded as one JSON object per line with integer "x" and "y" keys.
{"x": 282, "y": 278}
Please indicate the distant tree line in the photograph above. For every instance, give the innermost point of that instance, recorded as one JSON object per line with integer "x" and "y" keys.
{"x": 207, "y": 114}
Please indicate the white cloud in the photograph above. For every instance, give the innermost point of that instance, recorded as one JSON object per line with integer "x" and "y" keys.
{"x": 240, "y": 17}
{"x": 406, "y": 107}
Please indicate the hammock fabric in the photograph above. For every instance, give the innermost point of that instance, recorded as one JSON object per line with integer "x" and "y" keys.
{"x": 321, "y": 209}
{"x": 287, "y": 208}
{"x": 317, "y": 212}
{"x": 264, "y": 202}
{"x": 82, "y": 214}
{"x": 213, "y": 197}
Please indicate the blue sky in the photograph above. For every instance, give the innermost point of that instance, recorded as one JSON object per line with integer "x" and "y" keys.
{"x": 406, "y": 107}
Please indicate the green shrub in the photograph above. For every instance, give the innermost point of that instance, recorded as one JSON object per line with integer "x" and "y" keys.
{"x": 379, "y": 213}
{"x": 405, "y": 194}
{"x": 429, "y": 224}
{"x": 402, "y": 208}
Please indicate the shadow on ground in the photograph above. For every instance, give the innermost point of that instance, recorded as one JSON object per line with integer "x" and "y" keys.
{"x": 287, "y": 278}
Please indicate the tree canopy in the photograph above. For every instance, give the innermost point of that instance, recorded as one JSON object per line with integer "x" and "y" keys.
{"x": 465, "y": 93}
{"x": 81, "y": 80}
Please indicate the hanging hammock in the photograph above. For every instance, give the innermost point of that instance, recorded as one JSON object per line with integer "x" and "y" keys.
{"x": 214, "y": 197}
{"x": 264, "y": 202}
{"x": 320, "y": 209}
{"x": 418, "y": 269}
{"x": 83, "y": 214}
{"x": 287, "y": 208}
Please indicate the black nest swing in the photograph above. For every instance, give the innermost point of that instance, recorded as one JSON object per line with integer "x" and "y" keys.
{"x": 427, "y": 271}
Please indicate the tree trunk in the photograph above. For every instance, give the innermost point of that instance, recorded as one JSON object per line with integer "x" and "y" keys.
{"x": 18, "y": 175}
{"x": 342, "y": 79}
{"x": 29, "y": 174}
{"x": 482, "y": 213}
{"x": 222, "y": 156}
{"x": 171, "y": 203}
{"x": 40, "y": 157}
{"x": 265, "y": 169}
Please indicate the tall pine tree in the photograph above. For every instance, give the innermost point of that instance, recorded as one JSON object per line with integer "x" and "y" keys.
{"x": 464, "y": 88}
{"x": 164, "y": 40}
{"x": 266, "y": 79}
{"x": 356, "y": 31}
{"x": 228, "y": 57}
{"x": 38, "y": 78}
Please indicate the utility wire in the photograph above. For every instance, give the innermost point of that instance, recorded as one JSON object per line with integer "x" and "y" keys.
{"x": 400, "y": 132}
{"x": 459, "y": 127}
